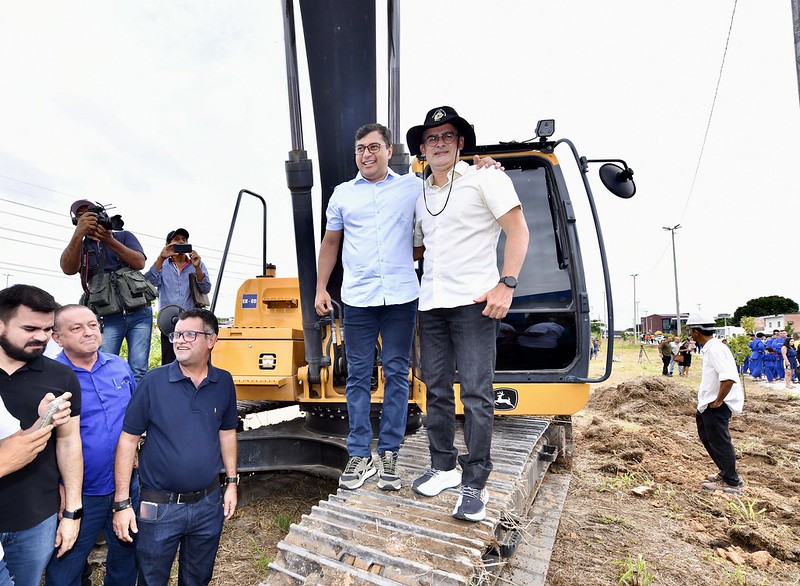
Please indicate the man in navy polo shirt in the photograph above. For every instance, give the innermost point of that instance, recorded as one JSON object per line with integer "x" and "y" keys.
{"x": 188, "y": 409}
{"x": 106, "y": 384}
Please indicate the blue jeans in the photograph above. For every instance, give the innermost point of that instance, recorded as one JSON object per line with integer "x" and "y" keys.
{"x": 5, "y": 578}
{"x": 27, "y": 551}
{"x": 195, "y": 527}
{"x": 136, "y": 327}
{"x": 120, "y": 559}
{"x": 395, "y": 324}
{"x": 463, "y": 338}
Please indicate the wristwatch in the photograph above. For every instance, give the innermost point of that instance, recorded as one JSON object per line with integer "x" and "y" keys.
{"x": 76, "y": 514}
{"x": 232, "y": 480}
{"x": 510, "y": 282}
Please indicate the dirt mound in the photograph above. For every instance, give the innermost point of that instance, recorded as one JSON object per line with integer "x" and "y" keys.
{"x": 637, "y": 472}
{"x": 643, "y": 397}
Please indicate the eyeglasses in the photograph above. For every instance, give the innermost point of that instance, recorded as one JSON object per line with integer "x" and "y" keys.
{"x": 373, "y": 148}
{"x": 188, "y": 335}
{"x": 447, "y": 138}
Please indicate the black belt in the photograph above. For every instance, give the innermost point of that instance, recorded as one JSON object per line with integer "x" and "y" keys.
{"x": 162, "y": 497}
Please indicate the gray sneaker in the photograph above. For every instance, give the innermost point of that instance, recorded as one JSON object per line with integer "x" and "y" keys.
{"x": 356, "y": 472}
{"x": 387, "y": 472}
{"x": 723, "y": 486}
{"x": 714, "y": 477}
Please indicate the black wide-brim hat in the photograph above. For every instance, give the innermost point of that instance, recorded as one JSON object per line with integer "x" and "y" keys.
{"x": 438, "y": 117}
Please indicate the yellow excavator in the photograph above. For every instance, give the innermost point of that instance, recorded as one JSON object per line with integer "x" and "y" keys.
{"x": 281, "y": 353}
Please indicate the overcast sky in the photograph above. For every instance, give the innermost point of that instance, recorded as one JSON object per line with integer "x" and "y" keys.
{"x": 167, "y": 109}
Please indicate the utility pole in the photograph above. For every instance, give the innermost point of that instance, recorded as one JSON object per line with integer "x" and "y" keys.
{"x": 635, "y": 317}
{"x": 6, "y": 275}
{"x": 675, "y": 269}
{"x": 796, "y": 21}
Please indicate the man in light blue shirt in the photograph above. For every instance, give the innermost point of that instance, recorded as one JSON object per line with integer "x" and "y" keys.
{"x": 171, "y": 273}
{"x": 372, "y": 218}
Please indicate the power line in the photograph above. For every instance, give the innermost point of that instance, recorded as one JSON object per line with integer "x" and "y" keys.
{"x": 28, "y": 233}
{"x": 39, "y": 186}
{"x": 30, "y": 243}
{"x": 710, "y": 114}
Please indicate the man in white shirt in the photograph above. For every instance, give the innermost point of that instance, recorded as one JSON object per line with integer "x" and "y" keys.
{"x": 719, "y": 396}
{"x": 459, "y": 217}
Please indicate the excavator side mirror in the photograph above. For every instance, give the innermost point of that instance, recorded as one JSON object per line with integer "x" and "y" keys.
{"x": 617, "y": 180}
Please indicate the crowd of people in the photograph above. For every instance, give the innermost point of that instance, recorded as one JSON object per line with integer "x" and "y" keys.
{"x": 773, "y": 358}
{"x": 136, "y": 454}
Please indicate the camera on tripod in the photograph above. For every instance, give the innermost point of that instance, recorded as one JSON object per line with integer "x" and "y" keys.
{"x": 114, "y": 222}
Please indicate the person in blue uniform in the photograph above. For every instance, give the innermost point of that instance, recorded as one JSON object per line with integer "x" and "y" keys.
{"x": 757, "y": 349}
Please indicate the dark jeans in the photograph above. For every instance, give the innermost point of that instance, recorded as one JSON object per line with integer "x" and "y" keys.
{"x": 120, "y": 559}
{"x": 712, "y": 427}
{"x": 666, "y": 360}
{"x": 395, "y": 324}
{"x": 450, "y": 338}
{"x": 195, "y": 527}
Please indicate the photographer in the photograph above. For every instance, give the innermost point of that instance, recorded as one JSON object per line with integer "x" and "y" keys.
{"x": 109, "y": 260}
{"x": 176, "y": 267}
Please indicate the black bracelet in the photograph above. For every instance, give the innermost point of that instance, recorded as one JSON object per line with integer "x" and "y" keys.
{"x": 121, "y": 505}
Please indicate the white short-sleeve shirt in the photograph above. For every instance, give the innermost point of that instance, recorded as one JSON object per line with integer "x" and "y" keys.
{"x": 718, "y": 366}
{"x": 460, "y": 262}
{"x": 9, "y": 425}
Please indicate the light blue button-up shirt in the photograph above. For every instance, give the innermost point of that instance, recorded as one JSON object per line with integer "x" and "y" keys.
{"x": 173, "y": 285}
{"x": 377, "y": 251}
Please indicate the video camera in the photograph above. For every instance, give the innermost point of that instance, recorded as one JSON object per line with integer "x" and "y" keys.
{"x": 109, "y": 223}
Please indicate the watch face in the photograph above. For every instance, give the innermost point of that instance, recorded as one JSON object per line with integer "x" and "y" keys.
{"x": 509, "y": 281}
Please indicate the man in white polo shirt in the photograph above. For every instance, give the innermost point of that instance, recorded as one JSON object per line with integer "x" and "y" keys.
{"x": 459, "y": 217}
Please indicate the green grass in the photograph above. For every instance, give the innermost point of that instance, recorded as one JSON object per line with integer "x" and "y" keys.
{"x": 261, "y": 560}
{"x": 283, "y": 521}
{"x": 745, "y": 510}
{"x": 624, "y": 481}
{"x": 634, "y": 572}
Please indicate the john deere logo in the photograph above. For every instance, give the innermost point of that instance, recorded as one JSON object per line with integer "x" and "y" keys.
{"x": 505, "y": 399}
{"x": 438, "y": 115}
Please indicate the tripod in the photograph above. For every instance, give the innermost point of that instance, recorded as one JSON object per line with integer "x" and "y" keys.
{"x": 643, "y": 352}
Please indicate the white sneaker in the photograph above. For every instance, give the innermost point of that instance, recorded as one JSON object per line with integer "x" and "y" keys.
{"x": 435, "y": 481}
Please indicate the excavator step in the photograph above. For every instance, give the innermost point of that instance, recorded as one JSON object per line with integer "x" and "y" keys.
{"x": 370, "y": 536}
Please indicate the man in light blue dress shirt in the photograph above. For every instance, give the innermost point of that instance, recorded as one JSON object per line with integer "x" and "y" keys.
{"x": 170, "y": 273}
{"x": 372, "y": 218}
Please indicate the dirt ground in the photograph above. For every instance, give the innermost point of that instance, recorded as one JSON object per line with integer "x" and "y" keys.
{"x": 635, "y": 491}
{"x": 635, "y": 499}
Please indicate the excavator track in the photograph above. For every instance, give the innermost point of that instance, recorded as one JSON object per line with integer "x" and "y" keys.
{"x": 370, "y": 536}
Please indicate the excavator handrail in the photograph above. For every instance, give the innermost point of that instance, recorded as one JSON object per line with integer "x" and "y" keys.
{"x": 230, "y": 236}
{"x": 606, "y": 277}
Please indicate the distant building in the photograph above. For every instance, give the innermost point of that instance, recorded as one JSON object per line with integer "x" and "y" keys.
{"x": 665, "y": 323}
{"x": 789, "y": 321}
